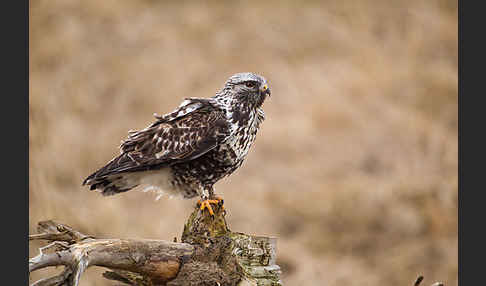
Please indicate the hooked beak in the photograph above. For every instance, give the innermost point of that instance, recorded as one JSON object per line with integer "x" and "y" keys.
{"x": 265, "y": 90}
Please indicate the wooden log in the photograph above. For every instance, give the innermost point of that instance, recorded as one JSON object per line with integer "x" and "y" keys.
{"x": 209, "y": 254}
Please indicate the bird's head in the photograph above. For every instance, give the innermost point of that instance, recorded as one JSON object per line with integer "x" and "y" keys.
{"x": 249, "y": 88}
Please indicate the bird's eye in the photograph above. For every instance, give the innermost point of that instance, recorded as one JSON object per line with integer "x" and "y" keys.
{"x": 250, "y": 84}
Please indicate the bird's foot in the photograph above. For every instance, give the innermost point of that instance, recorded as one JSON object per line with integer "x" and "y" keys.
{"x": 220, "y": 201}
{"x": 206, "y": 204}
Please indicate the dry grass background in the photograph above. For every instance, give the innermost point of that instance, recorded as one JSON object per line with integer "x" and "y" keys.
{"x": 354, "y": 169}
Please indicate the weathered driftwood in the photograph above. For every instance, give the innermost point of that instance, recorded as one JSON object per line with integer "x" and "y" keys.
{"x": 210, "y": 254}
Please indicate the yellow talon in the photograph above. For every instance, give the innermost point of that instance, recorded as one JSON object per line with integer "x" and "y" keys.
{"x": 206, "y": 204}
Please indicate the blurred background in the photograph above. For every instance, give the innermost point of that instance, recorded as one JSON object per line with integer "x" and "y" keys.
{"x": 354, "y": 170}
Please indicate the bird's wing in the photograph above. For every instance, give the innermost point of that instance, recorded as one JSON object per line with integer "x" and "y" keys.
{"x": 190, "y": 131}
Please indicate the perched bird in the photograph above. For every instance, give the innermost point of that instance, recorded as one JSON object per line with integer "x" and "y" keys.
{"x": 188, "y": 150}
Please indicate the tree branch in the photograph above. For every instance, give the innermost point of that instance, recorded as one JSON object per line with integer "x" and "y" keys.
{"x": 157, "y": 259}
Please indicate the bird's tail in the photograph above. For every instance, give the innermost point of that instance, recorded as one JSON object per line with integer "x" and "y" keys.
{"x": 113, "y": 177}
{"x": 109, "y": 185}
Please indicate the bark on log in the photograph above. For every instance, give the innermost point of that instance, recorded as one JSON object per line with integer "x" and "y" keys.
{"x": 209, "y": 254}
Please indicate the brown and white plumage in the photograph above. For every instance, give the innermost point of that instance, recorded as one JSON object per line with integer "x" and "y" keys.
{"x": 188, "y": 150}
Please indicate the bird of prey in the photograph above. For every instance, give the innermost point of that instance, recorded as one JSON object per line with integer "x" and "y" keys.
{"x": 187, "y": 151}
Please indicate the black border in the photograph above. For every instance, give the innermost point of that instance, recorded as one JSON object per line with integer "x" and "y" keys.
{"x": 471, "y": 167}
{"x": 15, "y": 142}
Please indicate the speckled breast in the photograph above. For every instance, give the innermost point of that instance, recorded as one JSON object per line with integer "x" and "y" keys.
{"x": 222, "y": 160}
{"x": 216, "y": 164}
{"x": 207, "y": 169}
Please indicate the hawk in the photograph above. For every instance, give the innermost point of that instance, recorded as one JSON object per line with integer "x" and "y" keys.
{"x": 187, "y": 151}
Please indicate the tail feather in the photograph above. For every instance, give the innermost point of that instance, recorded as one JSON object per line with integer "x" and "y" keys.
{"x": 109, "y": 184}
{"x": 110, "y": 179}
{"x": 122, "y": 174}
